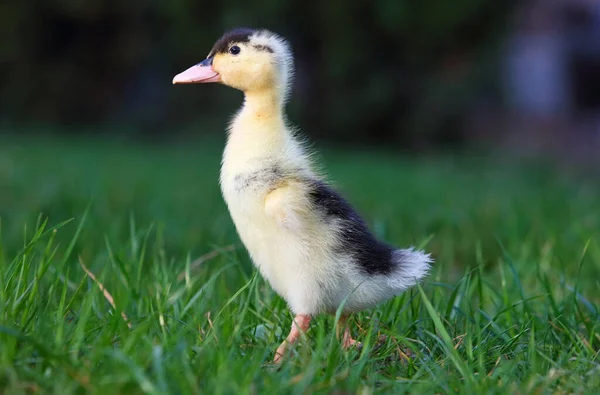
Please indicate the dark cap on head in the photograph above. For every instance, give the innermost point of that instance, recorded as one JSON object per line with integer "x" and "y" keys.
{"x": 240, "y": 35}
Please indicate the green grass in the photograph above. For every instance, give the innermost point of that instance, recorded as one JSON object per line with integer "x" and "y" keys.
{"x": 511, "y": 305}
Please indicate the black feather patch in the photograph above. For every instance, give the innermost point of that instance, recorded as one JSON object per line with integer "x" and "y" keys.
{"x": 372, "y": 256}
{"x": 241, "y": 35}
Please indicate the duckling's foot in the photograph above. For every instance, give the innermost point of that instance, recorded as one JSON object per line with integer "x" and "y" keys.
{"x": 299, "y": 326}
{"x": 347, "y": 340}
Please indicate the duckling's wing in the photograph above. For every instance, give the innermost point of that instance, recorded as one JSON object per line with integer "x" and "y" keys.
{"x": 314, "y": 211}
{"x": 310, "y": 208}
{"x": 289, "y": 206}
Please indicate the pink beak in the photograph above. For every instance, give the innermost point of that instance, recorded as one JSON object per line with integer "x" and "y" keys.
{"x": 203, "y": 72}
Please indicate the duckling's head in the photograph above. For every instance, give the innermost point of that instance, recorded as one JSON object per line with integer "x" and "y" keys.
{"x": 246, "y": 59}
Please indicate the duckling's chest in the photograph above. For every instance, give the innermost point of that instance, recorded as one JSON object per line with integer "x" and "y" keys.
{"x": 255, "y": 162}
{"x": 245, "y": 193}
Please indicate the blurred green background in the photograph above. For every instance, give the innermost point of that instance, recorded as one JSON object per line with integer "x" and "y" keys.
{"x": 404, "y": 74}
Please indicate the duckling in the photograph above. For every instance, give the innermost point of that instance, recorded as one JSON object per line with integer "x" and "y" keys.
{"x": 305, "y": 239}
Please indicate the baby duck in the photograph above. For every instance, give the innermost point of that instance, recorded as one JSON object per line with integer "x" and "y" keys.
{"x": 304, "y": 238}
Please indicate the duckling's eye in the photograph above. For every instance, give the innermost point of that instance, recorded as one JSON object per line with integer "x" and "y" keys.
{"x": 234, "y": 50}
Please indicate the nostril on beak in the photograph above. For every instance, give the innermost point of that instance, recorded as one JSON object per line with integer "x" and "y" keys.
{"x": 206, "y": 62}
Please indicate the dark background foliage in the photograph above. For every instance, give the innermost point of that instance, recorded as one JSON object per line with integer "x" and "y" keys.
{"x": 384, "y": 71}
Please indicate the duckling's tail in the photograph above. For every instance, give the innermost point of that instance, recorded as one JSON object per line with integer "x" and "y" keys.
{"x": 411, "y": 267}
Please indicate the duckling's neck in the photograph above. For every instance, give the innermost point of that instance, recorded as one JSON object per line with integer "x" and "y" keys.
{"x": 263, "y": 105}
{"x": 258, "y": 138}
{"x": 257, "y": 131}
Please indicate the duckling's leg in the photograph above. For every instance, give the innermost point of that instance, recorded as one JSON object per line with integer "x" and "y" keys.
{"x": 347, "y": 340}
{"x": 299, "y": 326}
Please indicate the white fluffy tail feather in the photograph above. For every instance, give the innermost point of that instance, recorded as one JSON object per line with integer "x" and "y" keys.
{"x": 412, "y": 266}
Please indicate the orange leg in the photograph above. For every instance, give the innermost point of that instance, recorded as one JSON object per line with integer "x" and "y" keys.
{"x": 347, "y": 340}
{"x": 299, "y": 326}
